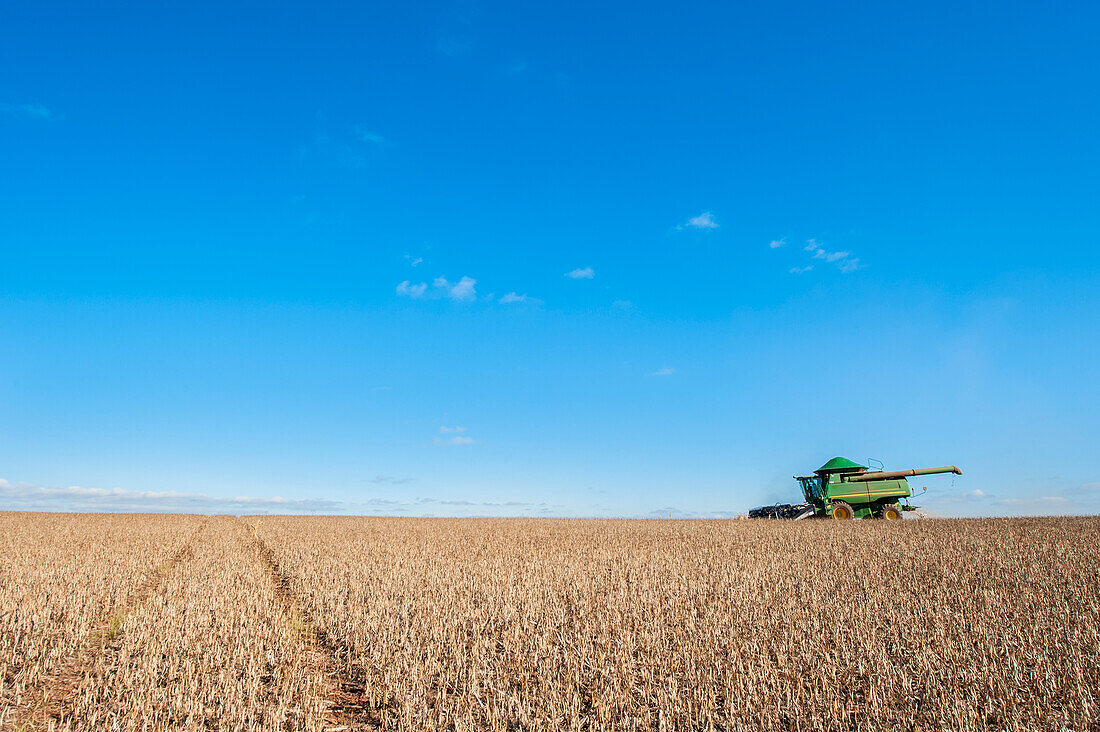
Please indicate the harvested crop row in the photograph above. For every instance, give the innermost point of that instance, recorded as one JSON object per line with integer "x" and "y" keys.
{"x": 63, "y": 577}
{"x": 498, "y": 624}
{"x": 217, "y": 647}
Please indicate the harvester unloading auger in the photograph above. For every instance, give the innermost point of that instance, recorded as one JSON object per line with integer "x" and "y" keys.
{"x": 846, "y": 490}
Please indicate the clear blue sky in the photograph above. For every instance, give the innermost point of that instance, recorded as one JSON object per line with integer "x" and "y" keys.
{"x": 486, "y": 258}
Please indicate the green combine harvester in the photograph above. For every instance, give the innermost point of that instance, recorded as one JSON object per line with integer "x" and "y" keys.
{"x": 846, "y": 490}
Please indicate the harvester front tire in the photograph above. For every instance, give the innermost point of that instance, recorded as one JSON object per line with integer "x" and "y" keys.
{"x": 842, "y": 511}
{"x": 891, "y": 512}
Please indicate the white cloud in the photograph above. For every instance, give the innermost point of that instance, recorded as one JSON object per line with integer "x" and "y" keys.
{"x": 581, "y": 273}
{"x": 777, "y": 243}
{"x": 1039, "y": 499}
{"x": 414, "y": 261}
{"x": 456, "y": 440}
{"x": 462, "y": 290}
{"x": 512, "y": 297}
{"x": 410, "y": 290}
{"x": 844, "y": 260}
{"x": 77, "y": 498}
{"x": 801, "y": 270}
{"x": 977, "y": 493}
{"x": 674, "y": 512}
{"x": 704, "y": 220}
{"x": 27, "y": 497}
{"x": 33, "y": 111}
{"x": 456, "y": 436}
{"x": 666, "y": 371}
{"x": 372, "y": 137}
{"x": 1091, "y": 486}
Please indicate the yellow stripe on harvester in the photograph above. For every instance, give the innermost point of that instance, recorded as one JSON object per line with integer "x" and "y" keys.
{"x": 857, "y": 495}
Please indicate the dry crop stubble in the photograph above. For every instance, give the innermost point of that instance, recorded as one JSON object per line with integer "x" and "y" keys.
{"x": 311, "y": 623}
{"x": 494, "y": 624}
{"x": 64, "y": 576}
{"x": 216, "y": 648}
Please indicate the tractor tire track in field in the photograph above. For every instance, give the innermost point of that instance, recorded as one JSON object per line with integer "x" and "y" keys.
{"x": 51, "y": 699}
{"x": 347, "y": 703}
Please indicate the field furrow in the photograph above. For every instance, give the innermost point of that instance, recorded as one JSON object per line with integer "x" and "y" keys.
{"x": 217, "y": 648}
{"x": 68, "y": 579}
{"x": 346, "y": 709}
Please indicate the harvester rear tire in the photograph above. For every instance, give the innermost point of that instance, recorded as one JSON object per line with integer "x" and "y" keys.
{"x": 842, "y": 511}
{"x": 891, "y": 512}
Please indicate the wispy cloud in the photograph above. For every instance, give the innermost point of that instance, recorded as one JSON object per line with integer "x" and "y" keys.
{"x": 30, "y": 111}
{"x": 777, "y": 243}
{"x": 512, "y": 297}
{"x": 350, "y": 148}
{"x": 414, "y": 261}
{"x": 453, "y": 436}
{"x": 491, "y": 504}
{"x": 982, "y": 503}
{"x": 801, "y": 270}
{"x": 456, "y": 440}
{"x": 27, "y": 497}
{"x": 581, "y": 273}
{"x": 372, "y": 137}
{"x": 408, "y": 289}
{"x": 463, "y": 290}
{"x": 820, "y": 253}
{"x": 704, "y": 220}
{"x": 666, "y": 371}
{"x": 843, "y": 260}
{"x": 674, "y": 512}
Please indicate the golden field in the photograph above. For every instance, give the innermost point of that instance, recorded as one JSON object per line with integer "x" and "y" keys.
{"x": 191, "y": 622}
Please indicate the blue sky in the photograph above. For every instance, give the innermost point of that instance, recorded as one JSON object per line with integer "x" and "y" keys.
{"x": 546, "y": 259}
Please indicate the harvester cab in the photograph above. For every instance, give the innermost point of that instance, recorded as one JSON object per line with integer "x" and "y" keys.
{"x": 845, "y": 490}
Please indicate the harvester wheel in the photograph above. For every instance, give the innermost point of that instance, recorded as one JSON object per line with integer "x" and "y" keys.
{"x": 891, "y": 512}
{"x": 842, "y": 511}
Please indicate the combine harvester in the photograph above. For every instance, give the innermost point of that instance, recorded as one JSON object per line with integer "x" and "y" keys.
{"x": 845, "y": 490}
